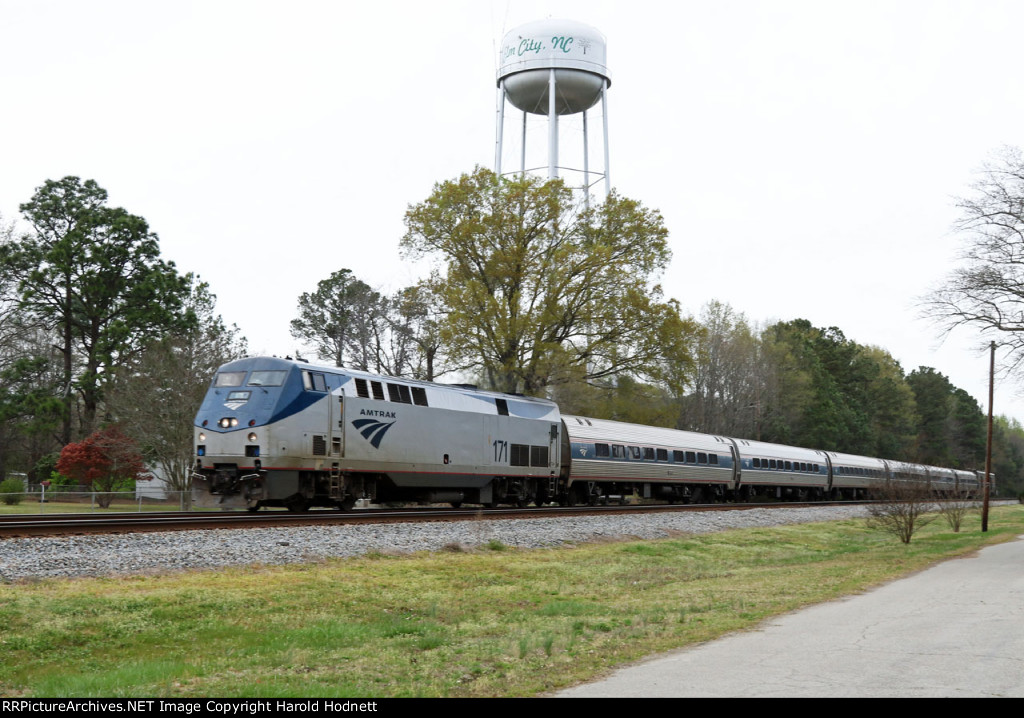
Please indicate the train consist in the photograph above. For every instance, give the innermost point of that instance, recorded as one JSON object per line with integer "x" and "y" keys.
{"x": 277, "y": 432}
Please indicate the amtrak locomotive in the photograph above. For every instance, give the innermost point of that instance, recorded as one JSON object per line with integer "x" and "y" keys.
{"x": 277, "y": 432}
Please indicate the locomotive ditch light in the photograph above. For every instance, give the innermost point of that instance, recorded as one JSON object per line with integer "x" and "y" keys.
{"x": 252, "y": 437}
{"x": 202, "y": 436}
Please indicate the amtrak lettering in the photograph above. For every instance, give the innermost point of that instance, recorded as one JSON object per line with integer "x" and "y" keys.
{"x": 376, "y": 412}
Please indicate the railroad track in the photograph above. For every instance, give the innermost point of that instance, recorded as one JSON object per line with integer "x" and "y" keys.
{"x": 92, "y": 523}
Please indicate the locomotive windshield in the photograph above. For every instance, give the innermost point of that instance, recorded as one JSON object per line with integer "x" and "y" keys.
{"x": 229, "y": 378}
{"x": 267, "y": 378}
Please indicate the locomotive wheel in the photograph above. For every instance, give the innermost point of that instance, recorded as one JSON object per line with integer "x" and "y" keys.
{"x": 455, "y": 504}
{"x": 346, "y": 504}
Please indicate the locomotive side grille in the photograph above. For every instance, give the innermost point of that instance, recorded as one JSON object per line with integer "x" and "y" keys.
{"x": 319, "y": 445}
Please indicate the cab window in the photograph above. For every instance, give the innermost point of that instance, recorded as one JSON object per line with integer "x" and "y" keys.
{"x": 267, "y": 378}
{"x": 229, "y": 378}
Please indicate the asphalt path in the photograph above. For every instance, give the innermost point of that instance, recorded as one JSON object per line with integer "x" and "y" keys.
{"x": 954, "y": 630}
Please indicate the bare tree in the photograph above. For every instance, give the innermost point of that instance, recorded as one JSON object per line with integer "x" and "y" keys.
{"x": 156, "y": 397}
{"x": 902, "y": 505}
{"x": 955, "y": 507}
{"x": 987, "y": 290}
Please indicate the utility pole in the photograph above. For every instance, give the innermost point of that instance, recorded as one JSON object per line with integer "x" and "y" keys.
{"x": 988, "y": 446}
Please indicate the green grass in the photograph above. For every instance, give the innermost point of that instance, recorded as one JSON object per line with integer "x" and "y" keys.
{"x": 33, "y": 506}
{"x": 492, "y": 622}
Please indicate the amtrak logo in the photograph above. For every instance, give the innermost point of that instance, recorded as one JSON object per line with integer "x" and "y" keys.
{"x": 233, "y": 405}
{"x": 372, "y": 430}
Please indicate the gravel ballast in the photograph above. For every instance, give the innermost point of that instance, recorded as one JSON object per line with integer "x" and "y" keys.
{"x": 155, "y": 553}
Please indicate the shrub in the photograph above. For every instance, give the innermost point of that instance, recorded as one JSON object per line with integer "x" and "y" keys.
{"x": 12, "y": 491}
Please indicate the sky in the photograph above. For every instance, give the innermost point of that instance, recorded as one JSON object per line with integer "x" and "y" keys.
{"x": 806, "y": 156}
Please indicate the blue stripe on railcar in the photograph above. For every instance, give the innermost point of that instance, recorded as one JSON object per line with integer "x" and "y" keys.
{"x": 588, "y": 450}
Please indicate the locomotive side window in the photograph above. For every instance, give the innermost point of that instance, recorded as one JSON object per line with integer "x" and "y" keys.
{"x": 502, "y": 407}
{"x": 399, "y": 393}
{"x": 602, "y": 450}
{"x": 419, "y": 396}
{"x": 361, "y": 389}
{"x": 312, "y": 381}
{"x": 378, "y": 390}
{"x": 229, "y": 378}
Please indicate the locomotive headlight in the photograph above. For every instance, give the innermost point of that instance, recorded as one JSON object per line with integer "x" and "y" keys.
{"x": 252, "y": 437}
{"x": 234, "y": 421}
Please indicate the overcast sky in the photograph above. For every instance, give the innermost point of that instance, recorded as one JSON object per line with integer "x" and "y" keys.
{"x": 806, "y": 156}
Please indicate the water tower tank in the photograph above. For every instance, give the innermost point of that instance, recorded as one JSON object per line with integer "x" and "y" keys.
{"x": 577, "y": 54}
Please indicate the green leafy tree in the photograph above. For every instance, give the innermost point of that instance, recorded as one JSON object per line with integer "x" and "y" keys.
{"x": 92, "y": 273}
{"x": 951, "y": 426}
{"x": 416, "y": 349}
{"x": 537, "y": 289}
{"x": 1007, "y": 456}
{"x": 342, "y": 320}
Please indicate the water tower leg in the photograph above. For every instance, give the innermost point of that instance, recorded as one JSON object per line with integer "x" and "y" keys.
{"x": 552, "y": 128}
{"x": 501, "y": 128}
{"x": 522, "y": 150}
{"x": 604, "y": 111}
{"x": 586, "y": 164}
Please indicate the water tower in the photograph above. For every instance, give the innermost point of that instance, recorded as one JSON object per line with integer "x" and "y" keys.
{"x": 553, "y": 68}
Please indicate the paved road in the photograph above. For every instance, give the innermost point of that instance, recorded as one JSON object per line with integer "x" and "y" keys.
{"x": 955, "y": 630}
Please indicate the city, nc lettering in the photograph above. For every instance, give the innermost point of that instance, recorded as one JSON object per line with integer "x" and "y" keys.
{"x": 529, "y": 44}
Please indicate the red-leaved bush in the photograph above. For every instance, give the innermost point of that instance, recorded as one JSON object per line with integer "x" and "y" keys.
{"x": 107, "y": 460}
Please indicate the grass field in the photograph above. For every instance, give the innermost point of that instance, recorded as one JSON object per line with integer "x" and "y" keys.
{"x": 492, "y": 622}
{"x": 84, "y": 504}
